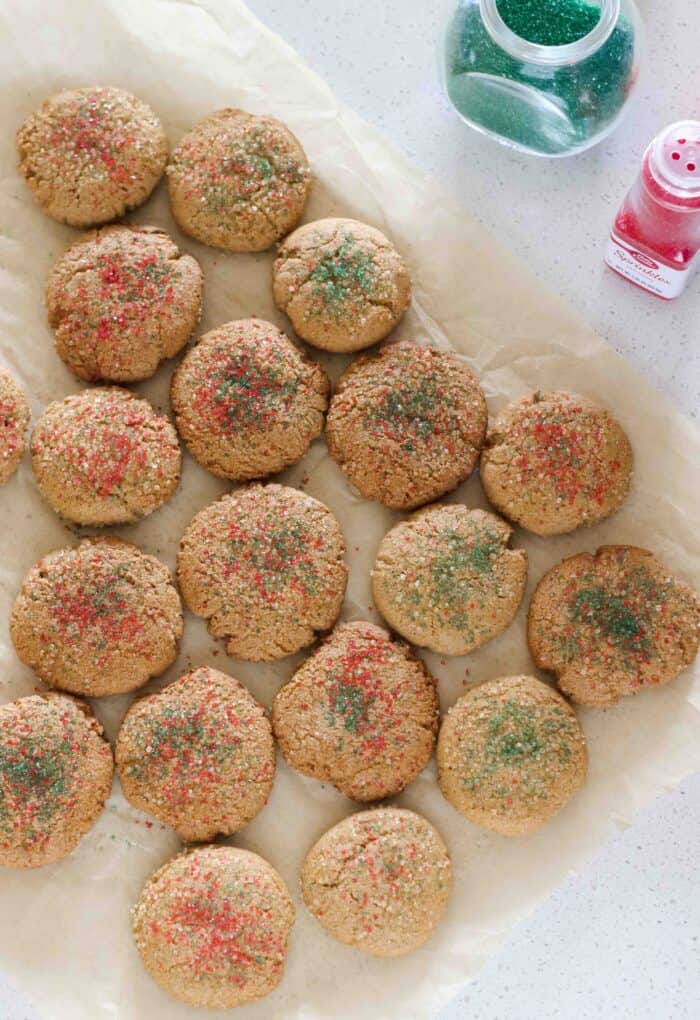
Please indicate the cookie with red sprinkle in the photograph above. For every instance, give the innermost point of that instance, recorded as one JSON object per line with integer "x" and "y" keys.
{"x": 212, "y": 927}
{"x": 55, "y": 775}
{"x": 361, "y": 713}
{"x": 264, "y": 565}
{"x": 447, "y": 579}
{"x": 238, "y": 181}
{"x": 611, "y": 624}
{"x": 342, "y": 283}
{"x": 89, "y": 155}
{"x": 511, "y": 754}
{"x": 14, "y": 420}
{"x": 121, "y": 300}
{"x": 379, "y": 881}
{"x": 104, "y": 456}
{"x": 555, "y": 461}
{"x": 199, "y": 755}
{"x": 247, "y": 401}
{"x": 97, "y": 619}
{"x": 407, "y": 425}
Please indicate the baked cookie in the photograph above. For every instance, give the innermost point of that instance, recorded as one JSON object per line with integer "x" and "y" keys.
{"x": 100, "y": 618}
{"x": 55, "y": 776}
{"x": 446, "y": 578}
{"x": 238, "y": 181}
{"x": 91, "y": 154}
{"x": 610, "y": 624}
{"x": 212, "y": 927}
{"x": 555, "y": 461}
{"x": 14, "y": 420}
{"x": 510, "y": 755}
{"x": 247, "y": 402}
{"x": 406, "y": 425}
{"x": 361, "y": 713}
{"x": 342, "y": 283}
{"x": 103, "y": 456}
{"x": 121, "y": 300}
{"x": 199, "y": 755}
{"x": 264, "y": 565}
{"x": 379, "y": 881}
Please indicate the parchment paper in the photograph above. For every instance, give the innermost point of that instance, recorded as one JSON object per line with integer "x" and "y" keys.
{"x": 64, "y": 930}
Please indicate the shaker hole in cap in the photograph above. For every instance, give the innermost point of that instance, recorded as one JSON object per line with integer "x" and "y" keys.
{"x": 681, "y": 141}
{"x": 691, "y": 167}
{"x": 676, "y": 155}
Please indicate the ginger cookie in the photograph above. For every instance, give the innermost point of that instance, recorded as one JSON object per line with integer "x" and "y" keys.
{"x": 100, "y": 618}
{"x": 342, "y": 283}
{"x": 247, "y": 402}
{"x": 612, "y": 623}
{"x": 238, "y": 181}
{"x": 89, "y": 155}
{"x": 446, "y": 578}
{"x": 55, "y": 775}
{"x": 212, "y": 927}
{"x": 361, "y": 713}
{"x": 379, "y": 881}
{"x": 121, "y": 300}
{"x": 510, "y": 755}
{"x": 103, "y": 456}
{"x": 264, "y": 565}
{"x": 406, "y": 425}
{"x": 555, "y": 461}
{"x": 14, "y": 420}
{"x": 199, "y": 755}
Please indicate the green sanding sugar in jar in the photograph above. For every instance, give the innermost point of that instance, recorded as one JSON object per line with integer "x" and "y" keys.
{"x": 504, "y": 77}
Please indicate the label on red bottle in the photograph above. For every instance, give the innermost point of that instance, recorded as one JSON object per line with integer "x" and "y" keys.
{"x": 646, "y": 272}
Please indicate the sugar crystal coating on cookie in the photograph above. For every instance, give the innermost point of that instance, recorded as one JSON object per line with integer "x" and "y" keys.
{"x": 611, "y": 624}
{"x": 14, "y": 420}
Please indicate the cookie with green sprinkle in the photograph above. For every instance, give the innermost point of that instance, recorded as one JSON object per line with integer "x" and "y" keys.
{"x": 407, "y": 425}
{"x": 212, "y": 927}
{"x": 238, "y": 181}
{"x": 121, "y": 300}
{"x": 14, "y": 421}
{"x": 89, "y": 155}
{"x": 446, "y": 578}
{"x": 610, "y": 624}
{"x": 511, "y": 754}
{"x": 55, "y": 775}
{"x": 199, "y": 755}
{"x": 265, "y": 566}
{"x": 555, "y": 461}
{"x": 379, "y": 881}
{"x": 247, "y": 401}
{"x": 342, "y": 283}
{"x": 361, "y": 713}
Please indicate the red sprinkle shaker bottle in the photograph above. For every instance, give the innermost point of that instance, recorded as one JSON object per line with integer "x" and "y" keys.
{"x": 656, "y": 234}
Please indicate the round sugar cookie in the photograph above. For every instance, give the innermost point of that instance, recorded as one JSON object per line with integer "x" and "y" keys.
{"x": 14, "y": 421}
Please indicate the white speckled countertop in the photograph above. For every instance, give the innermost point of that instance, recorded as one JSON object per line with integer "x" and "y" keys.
{"x": 621, "y": 940}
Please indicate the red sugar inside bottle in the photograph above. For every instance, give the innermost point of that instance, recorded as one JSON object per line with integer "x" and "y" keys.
{"x": 656, "y": 234}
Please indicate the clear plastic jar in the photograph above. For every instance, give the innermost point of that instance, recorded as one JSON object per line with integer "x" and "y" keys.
{"x": 549, "y": 90}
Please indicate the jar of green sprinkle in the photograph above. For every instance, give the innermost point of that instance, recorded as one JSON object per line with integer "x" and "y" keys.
{"x": 549, "y": 77}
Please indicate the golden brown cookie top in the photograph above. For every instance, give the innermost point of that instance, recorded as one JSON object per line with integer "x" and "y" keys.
{"x": 361, "y": 712}
{"x": 555, "y": 461}
{"x": 406, "y": 425}
{"x": 238, "y": 181}
{"x": 379, "y": 881}
{"x": 121, "y": 300}
{"x": 104, "y": 456}
{"x": 199, "y": 755}
{"x": 613, "y": 623}
{"x": 247, "y": 401}
{"x": 100, "y": 618}
{"x": 212, "y": 927}
{"x": 91, "y": 154}
{"x": 14, "y": 420}
{"x": 265, "y": 566}
{"x": 342, "y": 283}
{"x": 447, "y": 579}
{"x": 510, "y": 754}
{"x": 55, "y": 775}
